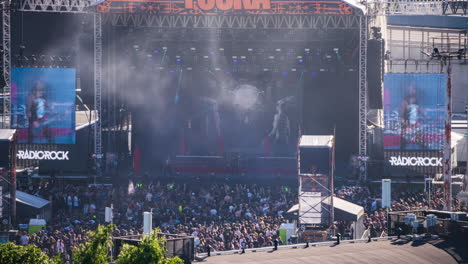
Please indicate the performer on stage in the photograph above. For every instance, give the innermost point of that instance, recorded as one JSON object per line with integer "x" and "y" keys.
{"x": 281, "y": 130}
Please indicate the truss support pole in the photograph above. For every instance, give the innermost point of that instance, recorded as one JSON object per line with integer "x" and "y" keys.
{"x": 97, "y": 91}
{"x": 363, "y": 21}
{"x": 448, "y": 140}
{"x": 6, "y": 12}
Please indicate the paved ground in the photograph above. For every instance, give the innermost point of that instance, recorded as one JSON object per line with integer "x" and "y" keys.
{"x": 398, "y": 252}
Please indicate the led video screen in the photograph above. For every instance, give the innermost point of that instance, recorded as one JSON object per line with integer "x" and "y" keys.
{"x": 43, "y": 105}
{"x": 414, "y": 111}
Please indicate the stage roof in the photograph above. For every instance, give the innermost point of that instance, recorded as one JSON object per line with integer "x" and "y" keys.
{"x": 309, "y": 141}
{"x": 30, "y": 200}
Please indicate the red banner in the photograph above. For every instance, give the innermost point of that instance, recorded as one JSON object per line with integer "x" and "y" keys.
{"x": 226, "y": 7}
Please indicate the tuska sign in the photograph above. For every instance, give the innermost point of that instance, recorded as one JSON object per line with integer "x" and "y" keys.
{"x": 228, "y": 4}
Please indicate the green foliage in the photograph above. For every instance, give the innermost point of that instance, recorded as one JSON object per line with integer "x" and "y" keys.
{"x": 151, "y": 250}
{"x": 30, "y": 254}
{"x": 96, "y": 250}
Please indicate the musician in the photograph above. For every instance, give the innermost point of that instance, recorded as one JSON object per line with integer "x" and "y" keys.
{"x": 37, "y": 112}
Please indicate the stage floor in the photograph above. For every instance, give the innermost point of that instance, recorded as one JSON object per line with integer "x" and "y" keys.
{"x": 375, "y": 252}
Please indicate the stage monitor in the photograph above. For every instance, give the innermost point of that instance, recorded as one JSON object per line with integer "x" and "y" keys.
{"x": 414, "y": 111}
{"x": 43, "y": 105}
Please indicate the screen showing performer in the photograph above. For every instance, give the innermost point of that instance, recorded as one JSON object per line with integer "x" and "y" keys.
{"x": 414, "y": 111}
{"x": 43, "y": 105}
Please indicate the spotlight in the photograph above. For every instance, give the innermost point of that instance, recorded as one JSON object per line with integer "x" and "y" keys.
{"x": 192, "y": 49}
{"x": 300, "y": 61}
{"x": 234, "y": 60}
{"x": 205, "y": 57}
{"x": 271, "y": 57}
{"x": 221, "y": 49}
{"x": 307, "y": 50}
{"x": 250, "y": 49}
{"x": 217, "y": 69}
{"x": 278, "y": 50}
{"x": 156, "y": 51}
{"x": 265, "y": 69}
{"x": 313, "y": 73}
{"x": 136, "y": 46}
{"x": 293, "y": 69}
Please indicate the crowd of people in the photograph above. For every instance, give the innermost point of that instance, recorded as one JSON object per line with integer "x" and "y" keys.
{"x": 221, "y": 216}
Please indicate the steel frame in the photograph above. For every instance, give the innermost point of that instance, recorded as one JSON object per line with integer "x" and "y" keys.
{"x": 418, "y": 7}
{"x": 363, "y": 31}
{"x": 6, "y": 27}
{"x": 65, "y": 6}
{"x": 98, "y": 90}
{"x": 238, "y": 21}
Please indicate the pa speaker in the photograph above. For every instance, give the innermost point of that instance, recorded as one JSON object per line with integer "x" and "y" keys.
{"x": 375, "y": 69}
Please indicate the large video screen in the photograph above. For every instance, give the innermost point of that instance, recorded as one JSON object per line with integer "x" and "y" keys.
{"x": 414, "y": 111}
{"x": 43, "y": 105}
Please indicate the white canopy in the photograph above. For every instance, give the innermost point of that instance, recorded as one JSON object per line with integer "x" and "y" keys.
{"x": 309, "y": 141}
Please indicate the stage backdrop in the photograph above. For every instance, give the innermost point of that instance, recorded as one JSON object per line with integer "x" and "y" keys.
{"x": 43, "y": 104}
{"x": 414, "y": 111}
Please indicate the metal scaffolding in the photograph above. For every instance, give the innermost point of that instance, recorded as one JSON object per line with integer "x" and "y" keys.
{"x": 98, "y": 90}
{"x": 237, "y": 21}
{"x": 363, "y": 30}
{"x": 6, "y": 12}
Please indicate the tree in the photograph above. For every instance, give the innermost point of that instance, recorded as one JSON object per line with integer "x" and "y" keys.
{"x": 151, "y": 250}
{"x": 96, "y": 249}
{"x": 30, "y": 254}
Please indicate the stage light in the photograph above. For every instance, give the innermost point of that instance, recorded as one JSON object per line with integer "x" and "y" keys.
{"x": 317, "y": 53}
{"x": 250, "y": 49}
{"x": 234, "y": 57}
{"x": 189, "y": 68}
{"x": 177, "y": 59}
{"x": 164, "y": 48}
{"x": 234, "y": 60}
{"x": 171, "y": 71}
{"x": 192, "y": 49}
{"x": 161, "y": 68}
{"x": 299, "y": 57}
{"x": 217, "y": 69}
{"x": 243, "y": 57}
{"x": 228, "y": 72}
{"x": 293, "y": 69}
{"x": 328, "y": 57}
{"x": 271, "y": 57}
{"x": 300, "y": 61}
{"x": 322, "y": 70}
{"x": 265, "y": 69}
{"x": 306, "y": 50}
{"x": 156, "y": 51}
{"x": 149, "y": 55}
{"x": 221, "y": 49}
{"x": 136, "y": 46}
{"x": 313, "y": 73}
{"x": 278, "y": 50}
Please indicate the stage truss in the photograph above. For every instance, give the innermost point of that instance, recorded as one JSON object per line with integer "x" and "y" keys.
{"x": 234, "y": 22}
